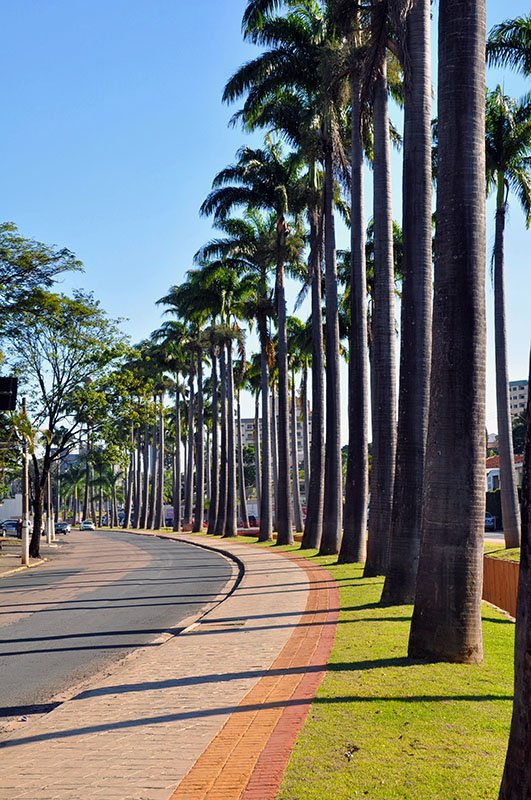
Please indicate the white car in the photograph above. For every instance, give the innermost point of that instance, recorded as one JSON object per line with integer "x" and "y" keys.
{"x": 87, "y": 525}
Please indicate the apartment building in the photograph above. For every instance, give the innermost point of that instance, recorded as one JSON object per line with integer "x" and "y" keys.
{"x": 518, "y": 393}
{"x": 248, "y": 432}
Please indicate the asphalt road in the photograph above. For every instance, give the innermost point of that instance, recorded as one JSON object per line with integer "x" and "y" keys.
{"x": 103, "y": 595}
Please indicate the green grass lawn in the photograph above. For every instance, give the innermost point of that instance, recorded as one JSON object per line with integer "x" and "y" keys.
{"x": 385, "y": 727}
{"x": 504, "y": 555}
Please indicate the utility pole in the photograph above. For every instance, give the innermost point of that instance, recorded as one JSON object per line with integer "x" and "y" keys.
{"x": 50, "y": 529}
{"x": 25, "y": 495}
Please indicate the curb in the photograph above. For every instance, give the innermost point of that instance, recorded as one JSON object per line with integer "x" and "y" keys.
{"x": 237, "y": 573}
{"x": 22, "y": 568}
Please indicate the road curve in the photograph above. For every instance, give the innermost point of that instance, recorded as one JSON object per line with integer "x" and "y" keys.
{"x": 103, "y": 596}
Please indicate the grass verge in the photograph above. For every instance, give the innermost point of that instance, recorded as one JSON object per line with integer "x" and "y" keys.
{"x": 505, "y": 555}
{"x": 386, "y": 727}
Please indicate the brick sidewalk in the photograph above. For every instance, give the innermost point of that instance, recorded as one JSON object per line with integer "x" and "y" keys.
{"x": 239, "y": 676}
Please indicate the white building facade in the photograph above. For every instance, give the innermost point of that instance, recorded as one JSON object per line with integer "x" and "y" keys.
{"x": 518, "y": 394}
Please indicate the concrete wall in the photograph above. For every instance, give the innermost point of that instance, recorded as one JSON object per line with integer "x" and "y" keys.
{"x": 11, "y": 508}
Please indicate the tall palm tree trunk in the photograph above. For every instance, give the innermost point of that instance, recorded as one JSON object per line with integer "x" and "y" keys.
{"x": 100, "y": 496}
{"x": 200, "y": 452}
{"x": 189, "y": 488}
{"x": 222, "y": 502}
{"x": 305, "y": 432}
{"x": 208, "y": 466}
{"x": 516, "y": 782}
{"x": 114, "y": 506}
{"x": 154, "y": 472}
{"x": 508, "y": 491}
{"x": 356, "y": 482}
{"x": 313, "y": 528}
{"x": 145, "y": 478}
{"x": 333, "y": 491}
{"x": 214, "y": 479}
{"x": 415, "y": 330}
{"x": 283, "y": 511}
{"x": 87, "y": 477}
{"x": 138, "y": 480}
{"x": 159, "y": 509}
{"x": 446, "y": 624}
{"x": 91, "y": 495}
{"x": 265, "y": 533}
{"x": 231, "y": 527}
{"x": 130, "y": 494}
{"x": 274, "y": 451}
{"x": 241, "y": 471}
{"x": 297, "y": 508}
{"x": 383, "y": 369}
{"x": 256, "y": 437}
{"x": 177, "y": 464}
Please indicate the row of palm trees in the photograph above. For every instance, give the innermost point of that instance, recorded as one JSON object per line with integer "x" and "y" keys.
{"x": 321, "y": 83}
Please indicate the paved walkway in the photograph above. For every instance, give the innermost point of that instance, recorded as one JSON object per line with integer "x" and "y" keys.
{"x": 10, "y": 557}
{"x": 213, "y": 713}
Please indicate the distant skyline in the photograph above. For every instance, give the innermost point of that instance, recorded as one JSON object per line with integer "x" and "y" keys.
{"x": 113, "y": 129}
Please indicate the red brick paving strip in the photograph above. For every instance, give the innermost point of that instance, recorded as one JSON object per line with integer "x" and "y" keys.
{"x": 249, "y": 755}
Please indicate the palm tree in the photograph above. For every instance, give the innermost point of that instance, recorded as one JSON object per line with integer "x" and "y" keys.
{"x": 416, "y": 311}
{"x": 263, "y": 179}
{"x": 446, "y": 623}
{"x": 516, "y": 782}
{"x": 300, "y": 349}
{"x": 382, "y": 323}
{"x": 240, "y": 369}
{"x": 508, "y": 162}
{"x": 249, "y": 245}
{"x": 254, "y": 386}
{"x": 172, "y": 338}
{"x": 275, "y": 100}
{"x": 509, "y": 44}
{"x": 296, "y": 330}
{"x": 292, "y": 87}
{"x": 195, "y": 300}
{"x": 72, "y": 483}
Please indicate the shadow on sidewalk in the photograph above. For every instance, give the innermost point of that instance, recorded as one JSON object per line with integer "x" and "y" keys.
{"x": 241, "y": 709}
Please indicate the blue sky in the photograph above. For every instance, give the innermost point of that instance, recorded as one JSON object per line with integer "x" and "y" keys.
{"x": 113, "y": 128}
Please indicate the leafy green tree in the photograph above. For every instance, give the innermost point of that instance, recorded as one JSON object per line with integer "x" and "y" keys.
{"x": 27, "y": 268}
{"x": 60, "y": 354}
{"x": 518, "y": 426}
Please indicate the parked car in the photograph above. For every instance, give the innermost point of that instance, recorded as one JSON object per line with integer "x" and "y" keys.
{"x": 490, "y": 522}
{"x": 9, "y": 527}
{"x": 62, "y": 527}
{"x": 87, "y": 525}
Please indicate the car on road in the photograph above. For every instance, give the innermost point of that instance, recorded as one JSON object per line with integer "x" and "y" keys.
{"x": 9, "y": 528}
{"x": 490, "y": 522}
{"x": 62, "y": 527}
{"x": 87, "y": 525}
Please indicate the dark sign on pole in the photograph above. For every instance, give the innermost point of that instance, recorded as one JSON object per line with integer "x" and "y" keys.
{"x": 8, "y": 394}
